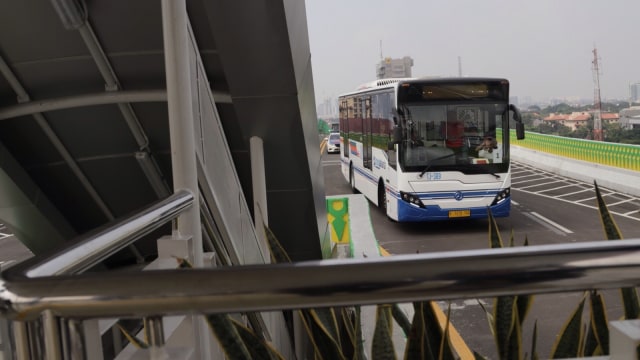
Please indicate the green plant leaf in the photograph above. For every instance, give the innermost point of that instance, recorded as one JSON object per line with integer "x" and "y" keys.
{"x": 278, "y": 253}
{"x": 477, "y": 356}
{"x": 630, "y": 299}
{"x": 515, "y": 339}
{"x": 418, "y": 346}
{"x": 401, "y": 318}
{"x": 359, "y": 343}
{"x": 599, "y": 323}
{"x": 134, "y": 340}
{"x": 349, "y": 326}
{"x": 490, "y": 318}
{"x": 534, "y": 342}
{"x": 382, "y": 342}
{"x": 258, "y": 347}
{"x": 325, "y": 347}
{"x": 608, "y": 223}
{"x": 228, "y": 336}
{"x": 495, "y": 241}
{"x": 504, "y": 322}
{"x": 445, "y": 352}
{"x": 567, "y": 344}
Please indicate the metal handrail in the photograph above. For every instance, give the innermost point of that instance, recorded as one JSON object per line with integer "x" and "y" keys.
{"x": 400, "y": 278}
{"x": 96, "y": 246}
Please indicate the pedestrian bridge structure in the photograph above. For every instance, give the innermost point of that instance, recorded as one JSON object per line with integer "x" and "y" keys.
{"x": 135, "y": 133}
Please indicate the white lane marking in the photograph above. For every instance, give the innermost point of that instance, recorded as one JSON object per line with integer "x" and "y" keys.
{"x": 557, "y": 188}
{"x": 330, "y": 162}
{"x": 548, "y": 221}
{"x": 541, "y": 184}
{"x": 575, "y": 192}
{"x": 631, "y": 212}
{"x": 620, "y": 202}
{"x": 515, "y": 203}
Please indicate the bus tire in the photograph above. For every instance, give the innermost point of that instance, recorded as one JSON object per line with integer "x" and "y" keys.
{"x": 352, "y": 180}
{"x": 382, "y": 197}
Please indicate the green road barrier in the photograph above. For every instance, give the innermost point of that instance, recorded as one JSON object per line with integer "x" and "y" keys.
{"x": 622, "y": 156}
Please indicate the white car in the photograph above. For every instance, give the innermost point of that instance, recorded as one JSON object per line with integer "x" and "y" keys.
{"x": 333, "y": 143}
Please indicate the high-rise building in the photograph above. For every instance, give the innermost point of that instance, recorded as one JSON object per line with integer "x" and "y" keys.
{"x": 394, "y": 68}
{"x": 634, "y": 92}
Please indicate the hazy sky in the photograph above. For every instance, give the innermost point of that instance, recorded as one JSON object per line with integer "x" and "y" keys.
{"x": 544, "y": 47}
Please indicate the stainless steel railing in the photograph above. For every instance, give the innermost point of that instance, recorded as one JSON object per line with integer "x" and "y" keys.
{"x": 445, "y": 275}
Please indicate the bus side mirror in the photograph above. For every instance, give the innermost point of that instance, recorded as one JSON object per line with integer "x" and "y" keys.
{"x": 518, "y": 119}
{"x": 519, "y": 130}
{"x": 396, "y": 137}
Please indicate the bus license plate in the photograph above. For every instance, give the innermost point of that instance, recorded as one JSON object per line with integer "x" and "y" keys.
{"x": 459, "y": 213}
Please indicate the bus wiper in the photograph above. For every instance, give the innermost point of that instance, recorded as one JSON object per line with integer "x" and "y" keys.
{"x": 430, "y": 162}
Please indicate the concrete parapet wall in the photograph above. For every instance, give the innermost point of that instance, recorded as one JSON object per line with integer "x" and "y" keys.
{"x": 615, "y": 178}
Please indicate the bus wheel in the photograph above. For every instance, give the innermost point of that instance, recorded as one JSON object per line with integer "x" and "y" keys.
{"x": 352, "y": 180}
{"x": 382, "y": 198}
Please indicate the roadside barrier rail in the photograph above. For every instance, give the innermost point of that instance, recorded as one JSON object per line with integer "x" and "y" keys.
{"x": 624, "y": 156}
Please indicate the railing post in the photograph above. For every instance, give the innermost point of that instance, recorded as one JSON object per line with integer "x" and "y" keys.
{"x": 154, "y": 331}
{"x": 21, "y": 338}
{"x": 175, "y": 25}
{"x": 51, "y": 327}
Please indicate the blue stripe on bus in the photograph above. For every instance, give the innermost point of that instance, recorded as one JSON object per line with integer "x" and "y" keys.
{"x": 412, "y": 213}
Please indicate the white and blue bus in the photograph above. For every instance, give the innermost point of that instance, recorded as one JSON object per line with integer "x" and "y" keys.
{"x": 430, "y": 149}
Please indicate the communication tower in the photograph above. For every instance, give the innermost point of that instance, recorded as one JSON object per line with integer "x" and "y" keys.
{"x": 597, "y": 114}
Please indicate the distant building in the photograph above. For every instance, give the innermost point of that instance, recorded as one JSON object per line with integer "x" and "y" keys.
{"x": 394, "y": 68}
{"x": 579, "y": 118}
{"x": 630, "y": 118}
{"x": 634, "y": 92}
{"x": 327, "y": 108}
{"x": 573, "y": 120}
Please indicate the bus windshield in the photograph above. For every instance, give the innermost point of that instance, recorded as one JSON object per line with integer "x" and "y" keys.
{"x": 463, "y": 136}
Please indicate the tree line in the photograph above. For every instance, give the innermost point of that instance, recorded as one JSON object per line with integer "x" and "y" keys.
{"x": 613, "y": 132}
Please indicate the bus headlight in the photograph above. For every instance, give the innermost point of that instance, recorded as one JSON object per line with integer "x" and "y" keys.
{"x": 411, "y": 199}
{"x": 502, "y": 195}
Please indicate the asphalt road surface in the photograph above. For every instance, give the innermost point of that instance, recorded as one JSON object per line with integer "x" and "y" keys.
{"x": 546, "y": 209}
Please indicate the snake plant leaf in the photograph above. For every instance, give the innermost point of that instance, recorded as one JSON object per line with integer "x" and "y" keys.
{"x": 258, "y": 347}
{"x": 591, "y": 346}
{"x": 401, "y": 319}
{"x": 358, "y": 344}
{"x": 512, "y": 241}
{"x": 630, "y": 299}
{"x": 523, "y": 305}
{"x": 445, "y": 351}
{"x": 418, "y": 344}
{"x": 611, "y": 229}
{"x": 228, "y": 336}
{"x": 326, "y": 320}
{"x": 477, "y": 356}
{"x": 325, "y": 347}
{"x": 534, "y": 342}
{"x": 489, "y": 317}
{"x": 278, "y": 253}
{"x": 321, "y": 324}
{"x": 349, "y": 325}
{"x": 183, "y": 263}
{"x": 515, "y": 339}
{"x": 599, "y": 323}
{"x": 427, "y": 340}
{"x": 495, "y": 241}
{"x": 382, "y": 342}
{"x": 134, "y": 340}
{"x": 504, "y": 322}
{"x": 567, "y": 344}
